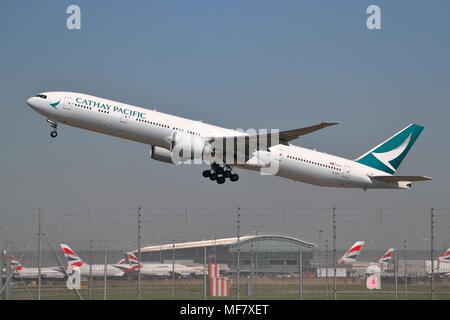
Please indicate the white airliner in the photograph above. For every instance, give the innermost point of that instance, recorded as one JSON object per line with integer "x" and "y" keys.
{"x": 96, "y": 270}
{"x": 130, "y": 266}
{"x": 173, "y": 140}
{"x": 26, "y": 273}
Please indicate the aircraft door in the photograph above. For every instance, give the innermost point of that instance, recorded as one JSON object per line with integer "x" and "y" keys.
{"x": 124, "y": 119}
{"x": 68, "y": 103}
{"x": 346, "y": 172}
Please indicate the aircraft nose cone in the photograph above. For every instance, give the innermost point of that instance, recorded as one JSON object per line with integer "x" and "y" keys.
{"x": 30, "y": 102}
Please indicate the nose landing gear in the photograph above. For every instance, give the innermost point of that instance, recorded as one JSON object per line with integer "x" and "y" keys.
{"x": 54, "y": 125}
{"x": 219, "y": 174}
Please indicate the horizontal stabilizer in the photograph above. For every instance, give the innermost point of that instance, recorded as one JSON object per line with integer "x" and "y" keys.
{"x": 400, "y": 178}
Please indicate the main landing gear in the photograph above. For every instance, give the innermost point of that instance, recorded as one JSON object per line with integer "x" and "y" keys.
{"x": 54, "y": 125}
{"x": 219, "y": 174}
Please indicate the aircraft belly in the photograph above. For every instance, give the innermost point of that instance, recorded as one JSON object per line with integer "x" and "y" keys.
{"x": 307, "y": 174}
{"x": 110, "y": 127}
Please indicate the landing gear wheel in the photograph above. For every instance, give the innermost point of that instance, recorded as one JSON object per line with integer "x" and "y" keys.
{"x": 206, "y": 173}
{"x": 220, "y": 173}
{"x": 54, "y": 125}
{"x": 220, "y": 180}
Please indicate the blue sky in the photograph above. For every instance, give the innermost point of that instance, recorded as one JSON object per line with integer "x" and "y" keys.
{"x": 237, "y": 64}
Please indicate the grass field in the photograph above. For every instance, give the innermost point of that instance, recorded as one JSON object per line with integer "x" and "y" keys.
{"x": 265, "y": 288}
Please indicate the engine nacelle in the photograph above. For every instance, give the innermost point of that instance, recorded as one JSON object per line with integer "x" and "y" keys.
{"x": 161, "y": 154}
{"x": 189, "y": 147}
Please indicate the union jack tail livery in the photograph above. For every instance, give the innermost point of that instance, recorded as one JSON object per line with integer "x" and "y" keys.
{"x": 352, "y": 253}
{"x": 15, "y": 264}
{"x": 445, "y": 257}
{"x": 387, "y": 256}
{"x": 73, "y": 260}
{"x": 133, "y": 261}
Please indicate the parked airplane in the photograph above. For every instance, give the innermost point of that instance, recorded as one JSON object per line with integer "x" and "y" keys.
{"x": 131, "y": 266}
{"x": 175, "y": 140}
{"x": 96, "y": 270}
{"x": 352, "y": 253}
{"x": 380, "y": 266}
{"x": 33, "y": 273}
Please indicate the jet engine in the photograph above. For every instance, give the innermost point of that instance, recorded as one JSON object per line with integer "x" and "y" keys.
{"x": 161, "y": 154}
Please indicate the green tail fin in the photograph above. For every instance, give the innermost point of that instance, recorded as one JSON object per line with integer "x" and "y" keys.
{"x": 388, "y": 155}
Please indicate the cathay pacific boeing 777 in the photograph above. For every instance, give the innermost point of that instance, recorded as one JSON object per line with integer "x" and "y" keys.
{"x": 175, "y": 140}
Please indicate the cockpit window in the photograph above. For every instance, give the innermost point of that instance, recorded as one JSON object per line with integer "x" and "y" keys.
{"x": 43, "y": 96}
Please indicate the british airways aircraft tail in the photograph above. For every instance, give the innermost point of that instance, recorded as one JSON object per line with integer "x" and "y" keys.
{"x": 352, "y": 253}
{"x": 73, "y": 260}
{"x": 388, "y": 155}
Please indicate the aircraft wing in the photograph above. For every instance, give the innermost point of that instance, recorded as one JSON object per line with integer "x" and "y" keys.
{"x": 289, "y": 135}
{"x": 247, "y": 144}
{"x": 400, "y": 178}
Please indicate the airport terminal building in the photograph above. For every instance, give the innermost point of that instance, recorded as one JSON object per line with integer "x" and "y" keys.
{"x": 258, "y": 254}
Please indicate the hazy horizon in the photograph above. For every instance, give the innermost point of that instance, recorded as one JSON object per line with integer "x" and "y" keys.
{"x": 252, "y": 64}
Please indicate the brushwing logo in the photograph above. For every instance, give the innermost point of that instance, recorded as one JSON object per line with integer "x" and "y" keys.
{"x": 445, "y": 257}
{"x": 386, "y": 157}
{"x": 15, "y": 264}
{"x": 387, "y": 256}
{"x": 55, "y": 104}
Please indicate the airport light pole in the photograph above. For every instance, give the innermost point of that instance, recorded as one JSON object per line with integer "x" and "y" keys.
{"x": 326, "y": 265}
{"x": 334, "y": 250}
{"x": 253, "y": 262}
{"x": 7, "y": 267}
{"x": 173, "y": 270}
{"x": 105, "y": 272}
{"x": 396, "y": 274}
{"x": 300, "y": 273}
{"x": 204, "y": 272}
{"x": 4, "y": 267}
{"x": 39, "y": 252}
{"x": 404, "y": 262}
{"x": 238, "y": 250}
{"x": 431, "y": 251}
{"x": 256, "y": 258}
{"x": 139, "y": 255}
{"x": 90, "y": 269}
